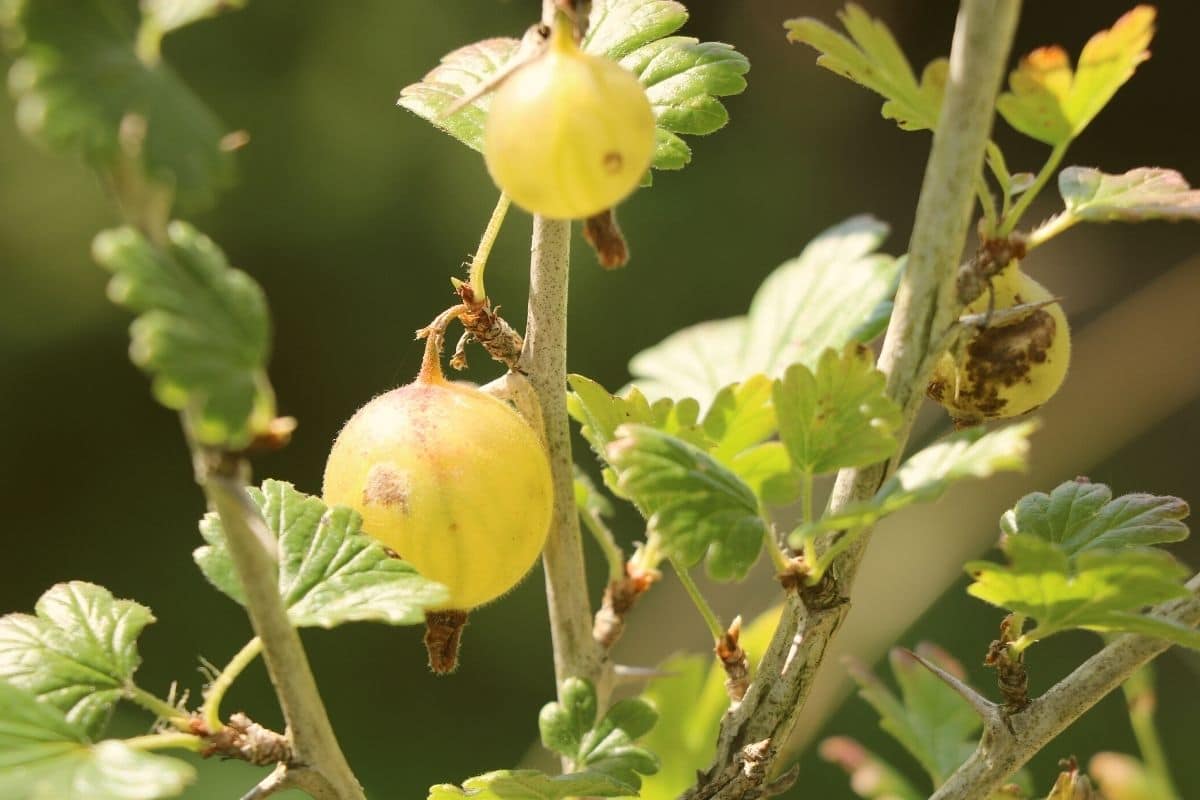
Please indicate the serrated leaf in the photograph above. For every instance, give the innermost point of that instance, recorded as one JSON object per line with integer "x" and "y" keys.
{"x": 330, "y": 572}
{"x": 79, "y": 652}
{"x": 690, "y": 699}
{"x": 203, "y": 332}
{"x": 924, "y": 477}
{"x": 77, "y": 80}
{"x": 1100, "y": 590}
{"x": 1053, "y": 104}
{"x": 683, "y": 77}
{"x": 45, "y": 757}
{"x": 528, "y": 784}
{"x": 605, "y": 747}
{"x": 870, "y": 776}
{"x": 871, "y": 57}
{"x": 740, "y": 417}
{"x": 1079, "y": 516}
{"x": 837, "y": 415}
{"x": 934, "y": 723}
{"x": 1136, "y": 196}
{"x": 694, "y": 504}
{"x": 817, "y": 301}
{"x": 171, "y": 15}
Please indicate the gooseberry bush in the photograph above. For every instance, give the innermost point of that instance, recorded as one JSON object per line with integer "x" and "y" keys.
{"x": 439, "y": 496}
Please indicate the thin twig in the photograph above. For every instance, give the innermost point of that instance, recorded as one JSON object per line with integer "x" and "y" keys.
{"x": 926, "y": 307}
{"x": 1004, "y": 750}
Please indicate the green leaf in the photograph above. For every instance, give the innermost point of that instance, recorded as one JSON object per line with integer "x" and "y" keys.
{"x": 932, "y": 721}
{"x": 924, "y": 477}
{"x": 694, "y": 504}
{"x": 1079, "y": 515}
{"x": 838, "y": 415}
{"x": 1099, "y": 590}
{"x": 1053, "y": 104}
{"x": 171, "y": 15}
{"x": 683, "y": 77}
{"x": 78, "y": 654}
{"x": 870, "y": 776}
{"x": 330, "y": 572}
{"x": 740, "y": 416}
{"x": 690, "y": 699}
{"x": 588, "y": 498}
{"x": 203, "y": 333}
{"x": 607, "y": 747}
{"x": 45, "y": 757}
{"x": 78, "y": 82}
{"x": 528, "y": 784}
{"x": 1138, "y": 195}
{"x": 767, "y": 470}
{"x": 817, "y": 301}
{"x": 872, "y": 58}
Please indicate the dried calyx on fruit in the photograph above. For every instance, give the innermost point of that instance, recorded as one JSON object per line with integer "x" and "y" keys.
{"x": 569, "y": 134}
{"x": 1015, "y": 362}
{"x": 454, "y": 481}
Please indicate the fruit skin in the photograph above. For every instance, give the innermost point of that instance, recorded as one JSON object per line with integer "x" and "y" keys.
{"x": 450, "y": 478}
{"x": 1006, "y": 370}
{"x": 569, "y": 134}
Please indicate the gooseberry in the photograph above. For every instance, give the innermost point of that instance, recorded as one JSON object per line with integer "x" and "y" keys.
{"x": 569, "y": 134}
{"x": 451, "y": 479}
{"x": 1009, "y": 369}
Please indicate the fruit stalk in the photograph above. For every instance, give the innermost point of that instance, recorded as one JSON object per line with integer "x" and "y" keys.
{"x": 926, "y": 307}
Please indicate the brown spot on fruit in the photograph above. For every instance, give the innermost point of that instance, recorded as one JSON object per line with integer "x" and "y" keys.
{"x": 613, "y": 161}
{"x": 386, "y": 486}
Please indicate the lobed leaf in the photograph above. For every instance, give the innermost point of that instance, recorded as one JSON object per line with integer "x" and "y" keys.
{"x": 78, "y": 653}
{"x": 330, "y": 572}
{"x": 935, "y": 724}
{"x": 43, "y": 756}
{"x": 817, "y": 301}
{"x": 838, "y": 415}
{"x": 693, "y": 503}
{"x": 79, "y": 83}
{"x": 683, "y": 77}
{"x": 1052, "y": 103}
{"x": 924, "y": 477}
{"x": 1079, "y": 515}
{"x": 605, "y": 747}
{"x": 871, "y": 57}
{"x": 1136, "y": 196}
{"x": 203, "y": 332}
{"x": 529, "y": 784}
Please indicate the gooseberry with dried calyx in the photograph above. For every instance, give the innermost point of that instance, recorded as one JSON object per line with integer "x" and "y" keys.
{"x": 1015, "y": 362}
{"x": 454, "y": 481}
{"x": 569, "y": 134}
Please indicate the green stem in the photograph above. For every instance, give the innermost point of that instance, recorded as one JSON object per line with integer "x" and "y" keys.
{"x": 608, "y": 544}
{"x": 479, "y": 262}
{"x": 211, "y": 710}
{"x": 157, "y": 706}
{"x": 1140, "y": 698}
{"x": 166, "y": 741}
{"x": 779, "y": 559}
{"x": 1030, "y": 194}
{"x": 987, "y": 203}
{"x": 710, "y": 617}
{"x": 1050, "y": 228}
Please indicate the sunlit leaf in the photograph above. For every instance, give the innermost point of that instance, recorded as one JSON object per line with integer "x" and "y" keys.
{"x": 330, "y": 572}
{"x": 171, "y": 15}
{"x": 1136, "y": 196}
{"x": 1052, "y": 103}
{"x": 871, "y": 57}
{"x": 820, "y": 300}
{"x": 78, "y": 653}
{"x": 45, "y": 757}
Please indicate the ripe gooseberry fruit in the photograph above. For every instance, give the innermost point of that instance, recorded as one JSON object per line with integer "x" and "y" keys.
{"x": 455, "y": 482}
{"x": 569, "y": 134}
{"x": 1006, "y": 369}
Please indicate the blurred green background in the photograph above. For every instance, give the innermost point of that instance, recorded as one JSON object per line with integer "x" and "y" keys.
{"x": 353, "y": 214}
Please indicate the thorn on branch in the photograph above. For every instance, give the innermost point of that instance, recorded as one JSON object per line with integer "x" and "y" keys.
{"x": 1011, "y": 675}
{"x": 989, "y": 711}
{"x": 733, "y": 659}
